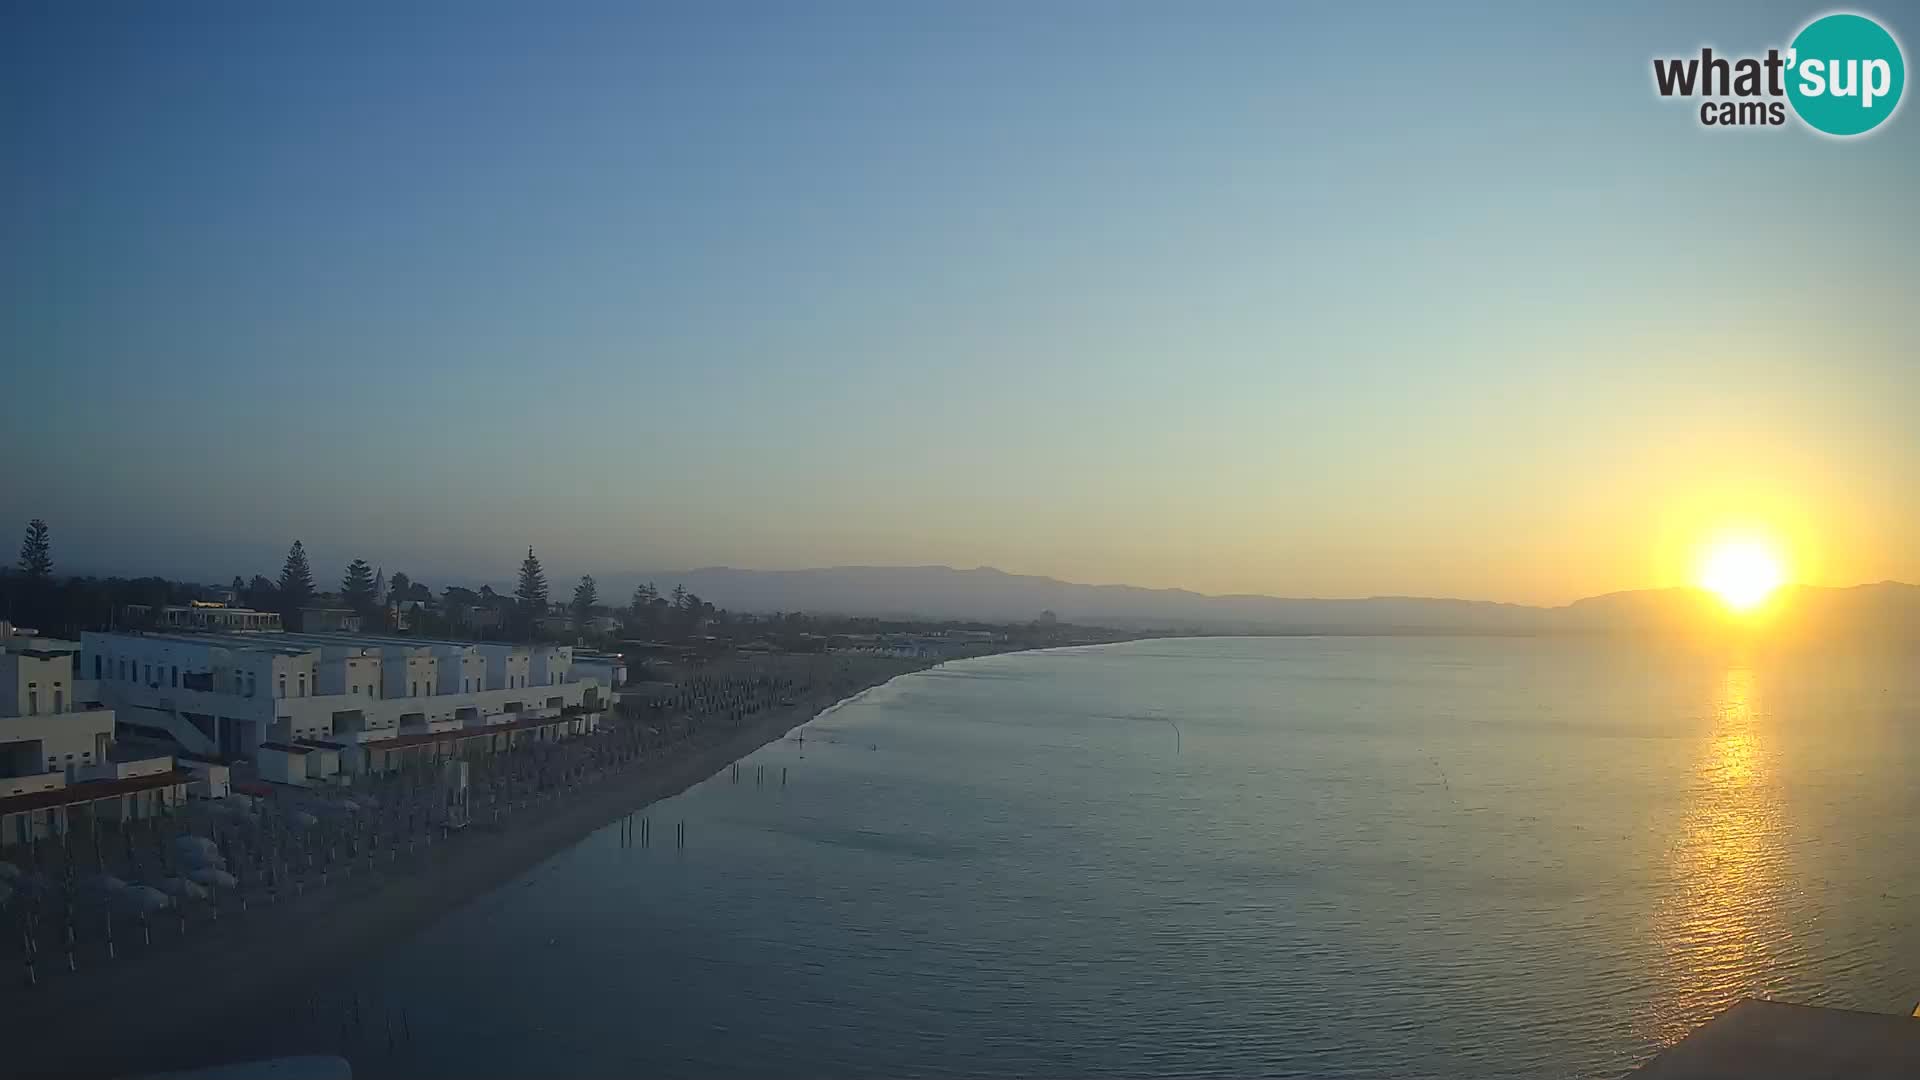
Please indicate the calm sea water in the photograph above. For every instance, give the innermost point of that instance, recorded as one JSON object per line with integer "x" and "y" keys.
{"x": 1344, "y": 857}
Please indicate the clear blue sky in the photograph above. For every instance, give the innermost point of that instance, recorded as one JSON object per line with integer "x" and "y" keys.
{"x": 1314, "y": 300}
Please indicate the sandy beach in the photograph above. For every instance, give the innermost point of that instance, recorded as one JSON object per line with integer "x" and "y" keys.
{"x": 185, "y": 1003}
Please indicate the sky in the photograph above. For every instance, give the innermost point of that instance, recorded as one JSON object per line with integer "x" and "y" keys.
{"x": 1307, "y": 300}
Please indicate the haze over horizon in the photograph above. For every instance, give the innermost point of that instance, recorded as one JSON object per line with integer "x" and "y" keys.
{"x": 1091, "y": 298}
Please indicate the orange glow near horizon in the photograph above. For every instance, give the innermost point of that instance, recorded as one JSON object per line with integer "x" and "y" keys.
{"x": 1743, "y": 571}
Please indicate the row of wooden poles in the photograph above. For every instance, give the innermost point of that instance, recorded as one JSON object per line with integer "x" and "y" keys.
{"x": 759, "y": 775}
{"x": 637, "y": 831}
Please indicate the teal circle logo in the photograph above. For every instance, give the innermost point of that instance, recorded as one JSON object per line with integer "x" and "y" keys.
{"x": 1845, "y": 74}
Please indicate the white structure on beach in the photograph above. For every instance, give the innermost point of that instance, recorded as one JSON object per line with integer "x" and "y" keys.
{"x": 57, "y": 746}
{"x": 204, "y": 615}
{"x": 288, "y": 701}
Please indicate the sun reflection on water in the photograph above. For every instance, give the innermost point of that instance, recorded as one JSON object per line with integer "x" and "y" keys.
{"x": 1720, "y": 929}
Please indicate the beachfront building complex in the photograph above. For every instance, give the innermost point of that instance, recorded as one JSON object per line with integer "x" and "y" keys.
{"x": 57, "y": 747}
{"x": 309, "y": 706}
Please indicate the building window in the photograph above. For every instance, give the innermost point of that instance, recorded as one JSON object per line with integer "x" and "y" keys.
{"x": 96, "y": 668}
{"x": 354, "y": 689}
{"x": 176, "y": 678}
{"x": 283, "y": 686}
{"x": 149, "y": 678}
{"x": 413, "y": 689}
{"x": 33, "y": 703}
{"x": 303, "y": 684}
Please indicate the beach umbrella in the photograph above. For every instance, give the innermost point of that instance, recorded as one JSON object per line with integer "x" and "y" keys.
{"x": 102, "y": 884}
{"x": 210, "y": 876}
{"x": 181, "y": 887}
{"x": 135, "y": 899}
{"x": 196, "y": 848}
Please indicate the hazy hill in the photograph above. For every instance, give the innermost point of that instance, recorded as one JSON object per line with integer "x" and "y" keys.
{"x": 989, "y": 594}
{"x": 1889, "y": 607}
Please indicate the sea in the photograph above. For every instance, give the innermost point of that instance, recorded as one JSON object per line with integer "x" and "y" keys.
{"x": 1311, "y": 856}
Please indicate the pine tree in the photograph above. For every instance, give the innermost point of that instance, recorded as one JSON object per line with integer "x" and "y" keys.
{"x": 399, "y": 587}
{"x": 532, "y": 592}
{"x": 585, "y": 596}
{"x": 357, "y": 588}
{"x": 296, "y": 581}
{"x": 260, "y": 594}
{"x": 36, "y": 551}
{"x": 643, "y": 598}
{"x": 690, "y": 610}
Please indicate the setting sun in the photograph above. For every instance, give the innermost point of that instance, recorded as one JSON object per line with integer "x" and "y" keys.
{"x": 1743, "y": 572}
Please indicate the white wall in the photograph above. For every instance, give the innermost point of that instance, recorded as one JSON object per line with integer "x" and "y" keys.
{"x": 463, "y": 673}
{"x": 281, "y": 768}
{"x": 210, "y": 781}
{"x": 411, "y": 673}
{"x": 355, "y": 675}
{"x": 27, "y": 785}
{"x": 31, "y": 684}
{"x": 550, "y": 664}
{"x": 38, "y": 712}
{"x": 508, "y": 666}
{"x": 127, "y": 770}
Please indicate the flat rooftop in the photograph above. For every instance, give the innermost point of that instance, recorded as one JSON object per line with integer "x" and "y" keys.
{"x": 1772, "y": 1040}
{"x": 258, "y": 643}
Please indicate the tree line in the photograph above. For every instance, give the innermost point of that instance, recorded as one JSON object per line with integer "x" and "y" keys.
{"x": 30, "y": 595}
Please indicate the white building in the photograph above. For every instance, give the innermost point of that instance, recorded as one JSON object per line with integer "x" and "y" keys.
{"x": 57, "y": 747}
{"x": 51, "y": 729}
{"x": 226, "y": 695}
{"x": 202, "y": 615}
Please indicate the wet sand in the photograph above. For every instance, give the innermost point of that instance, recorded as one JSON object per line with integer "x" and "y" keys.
{"x": 203, "y": 1001}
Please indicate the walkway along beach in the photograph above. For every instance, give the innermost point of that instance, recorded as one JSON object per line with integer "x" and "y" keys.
{"x": 168, "y": 999}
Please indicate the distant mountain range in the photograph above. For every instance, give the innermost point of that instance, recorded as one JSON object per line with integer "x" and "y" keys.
{"x": 993, "y": 595}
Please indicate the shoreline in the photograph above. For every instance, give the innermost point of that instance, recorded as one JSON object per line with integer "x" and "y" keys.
{"x": 205, "y": 1001}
